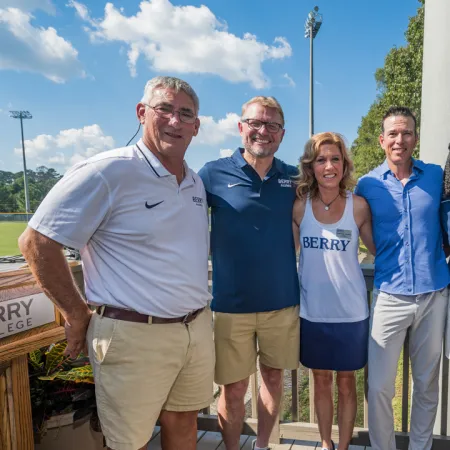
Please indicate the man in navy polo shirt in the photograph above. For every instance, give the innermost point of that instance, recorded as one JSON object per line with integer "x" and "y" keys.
{"x": 255, "y": 286}
{"x": 411, "y": 278}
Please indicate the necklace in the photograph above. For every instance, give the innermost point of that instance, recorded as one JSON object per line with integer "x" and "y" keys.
{"x": 327, "y": 205}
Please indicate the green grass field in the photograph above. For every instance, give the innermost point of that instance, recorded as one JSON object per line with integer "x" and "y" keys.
{"x": 303, "y": 398}
{"x": 9, "y": 233}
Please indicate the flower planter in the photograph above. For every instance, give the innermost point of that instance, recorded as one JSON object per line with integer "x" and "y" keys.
{"x": 63, "y": 433}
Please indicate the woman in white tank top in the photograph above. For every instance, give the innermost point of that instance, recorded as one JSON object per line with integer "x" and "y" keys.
{"x": 334, "y": 317}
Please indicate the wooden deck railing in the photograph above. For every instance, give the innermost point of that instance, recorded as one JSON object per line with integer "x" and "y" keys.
{"x": 308, "y": 431}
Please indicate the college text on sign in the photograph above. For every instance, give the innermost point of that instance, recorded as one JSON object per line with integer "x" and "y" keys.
{"x": 24, "y": 313}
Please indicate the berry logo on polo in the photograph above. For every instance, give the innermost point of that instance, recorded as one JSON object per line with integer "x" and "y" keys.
{"x": 198, "y": 201}
{"x": 284, "y": 182}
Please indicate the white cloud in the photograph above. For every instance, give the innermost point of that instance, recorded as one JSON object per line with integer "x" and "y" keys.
{"x": 225, "y": 152}
{"x": 81, "y": 9}
{"x": 184, "y": 39}
{"x": 59, "y": 159}
{"x": 290, "y": 81}
{"x": 35, "y": 49}
{"x": 68, "y": 146}
{"x": 214, "y": 133}
{"x": 29, "y": 5}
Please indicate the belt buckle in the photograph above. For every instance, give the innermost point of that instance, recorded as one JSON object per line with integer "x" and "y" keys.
{"x": 186, "y": 317}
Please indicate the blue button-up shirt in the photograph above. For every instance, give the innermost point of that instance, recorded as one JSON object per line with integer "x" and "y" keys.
{"x": 406, "y": 229}
{"x": 252, "y": 245}
{"x": 445, "y": 219}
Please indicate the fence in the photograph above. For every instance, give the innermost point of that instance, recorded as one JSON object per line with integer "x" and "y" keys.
{"x": 15, "y": 217}
{"x": 293, "y": 429}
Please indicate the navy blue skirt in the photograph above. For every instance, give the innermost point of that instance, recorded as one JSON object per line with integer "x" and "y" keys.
{"x": 334, "y": 346}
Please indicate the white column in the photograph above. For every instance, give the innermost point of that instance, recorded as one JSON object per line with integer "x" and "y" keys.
{"x": 438, "y": 424}
{"x": 435, "y": 119}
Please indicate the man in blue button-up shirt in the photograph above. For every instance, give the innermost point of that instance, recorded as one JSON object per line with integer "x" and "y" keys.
{"x": 411, "y": 278}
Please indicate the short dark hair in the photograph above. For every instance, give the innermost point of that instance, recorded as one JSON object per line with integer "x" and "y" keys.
{"x": 399, "y": 111}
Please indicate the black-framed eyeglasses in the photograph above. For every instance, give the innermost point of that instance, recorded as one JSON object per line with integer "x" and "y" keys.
{"x": 167, "y": 112}
{"x": 271, "y": 127}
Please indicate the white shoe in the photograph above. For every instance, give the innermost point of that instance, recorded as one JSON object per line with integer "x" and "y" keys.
{"x": 254, "y": 445}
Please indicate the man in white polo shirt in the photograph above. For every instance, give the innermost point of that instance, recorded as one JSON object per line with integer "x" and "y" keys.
{"x": 138, "y": 215}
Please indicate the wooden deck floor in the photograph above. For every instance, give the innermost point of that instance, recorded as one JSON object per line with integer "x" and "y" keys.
{"x": 207, "y": 440}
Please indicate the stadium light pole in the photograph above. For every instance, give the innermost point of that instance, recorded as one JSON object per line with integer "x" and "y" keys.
{"x": 312, "y": 26}
{"x": 23, "y": 115}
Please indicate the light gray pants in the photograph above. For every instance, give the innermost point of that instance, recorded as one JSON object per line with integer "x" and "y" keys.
{"x": 391, "y": 316}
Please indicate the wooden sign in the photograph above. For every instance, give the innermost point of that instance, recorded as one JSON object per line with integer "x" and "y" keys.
{"x": 24, "y": 313}
{"x": 28, "y": 321}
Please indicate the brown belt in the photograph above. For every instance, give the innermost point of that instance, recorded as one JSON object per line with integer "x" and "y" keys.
{"x": 134, "y": 316}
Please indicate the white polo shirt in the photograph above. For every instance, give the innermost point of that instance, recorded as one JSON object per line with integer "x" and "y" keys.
{"x": 143, "y": 239}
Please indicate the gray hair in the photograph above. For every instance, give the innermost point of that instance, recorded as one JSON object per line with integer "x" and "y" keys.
{"x": 169, "y": 83}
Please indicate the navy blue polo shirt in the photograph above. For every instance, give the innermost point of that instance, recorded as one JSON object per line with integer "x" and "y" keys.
{"x": 252, "y": 245}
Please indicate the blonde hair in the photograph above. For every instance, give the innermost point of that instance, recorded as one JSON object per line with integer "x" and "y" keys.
{"x": 306, "y": 181}
{"x": 268, "y": 102}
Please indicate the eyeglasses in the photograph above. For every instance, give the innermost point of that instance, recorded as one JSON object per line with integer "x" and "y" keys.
{"x": 167, "y": 112}
{"x": 271, "y": 127}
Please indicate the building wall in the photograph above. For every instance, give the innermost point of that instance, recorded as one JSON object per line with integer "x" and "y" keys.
{"x": 435, "y": 128}
{"x": 435, "y": 120}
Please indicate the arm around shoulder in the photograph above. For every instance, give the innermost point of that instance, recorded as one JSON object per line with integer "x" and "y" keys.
{"x": 203, "y": 173}
{"x": 363, "y": 218}
{"x": 361, "y": 184}
{"x": 297, "y": 217}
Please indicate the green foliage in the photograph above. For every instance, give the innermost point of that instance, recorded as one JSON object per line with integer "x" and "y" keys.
{"x": 12, "y": 194}
{"x": 60, "y": 385}
{"x": 399, "y": 82}
{"x": 55, "y": 357}
{"x": 77, "y": 375}
{"x": 56, "y": 365}
{"x": 36, "y": 359}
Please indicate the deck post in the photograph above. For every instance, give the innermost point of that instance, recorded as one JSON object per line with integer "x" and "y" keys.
{"x": 254, "y": 394}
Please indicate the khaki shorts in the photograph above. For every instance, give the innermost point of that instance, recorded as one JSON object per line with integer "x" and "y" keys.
{"x": 239, "y": 338}
{"x": 141, "y": 369}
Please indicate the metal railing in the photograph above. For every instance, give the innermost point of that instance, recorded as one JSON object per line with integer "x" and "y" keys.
{"x": 308, "y": 431}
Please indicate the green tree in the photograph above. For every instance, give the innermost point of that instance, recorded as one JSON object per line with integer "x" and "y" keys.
{"x": 7, "y": 200}
{"x": 399, "y": 82}
{"x": 12, "y": 192}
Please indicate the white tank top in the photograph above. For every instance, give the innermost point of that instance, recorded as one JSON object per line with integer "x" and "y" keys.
{"x": 332, "y": 286}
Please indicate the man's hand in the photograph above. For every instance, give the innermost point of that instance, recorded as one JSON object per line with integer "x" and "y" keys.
{"x": 76, "y": 330}
{"x": 49, "y": 266}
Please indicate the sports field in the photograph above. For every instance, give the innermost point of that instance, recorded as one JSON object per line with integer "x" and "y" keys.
{"x": 9, "y": 233}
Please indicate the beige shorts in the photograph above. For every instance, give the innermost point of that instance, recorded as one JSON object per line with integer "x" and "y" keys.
{"x": 240, "y": 338}
{"x": 141, "y": 369}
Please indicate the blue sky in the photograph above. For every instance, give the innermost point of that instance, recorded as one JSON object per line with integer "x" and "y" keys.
{"x": 80, "y": 68}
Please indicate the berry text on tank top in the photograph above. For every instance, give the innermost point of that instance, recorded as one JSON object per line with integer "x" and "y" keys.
{"x": 339, "y": 245}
